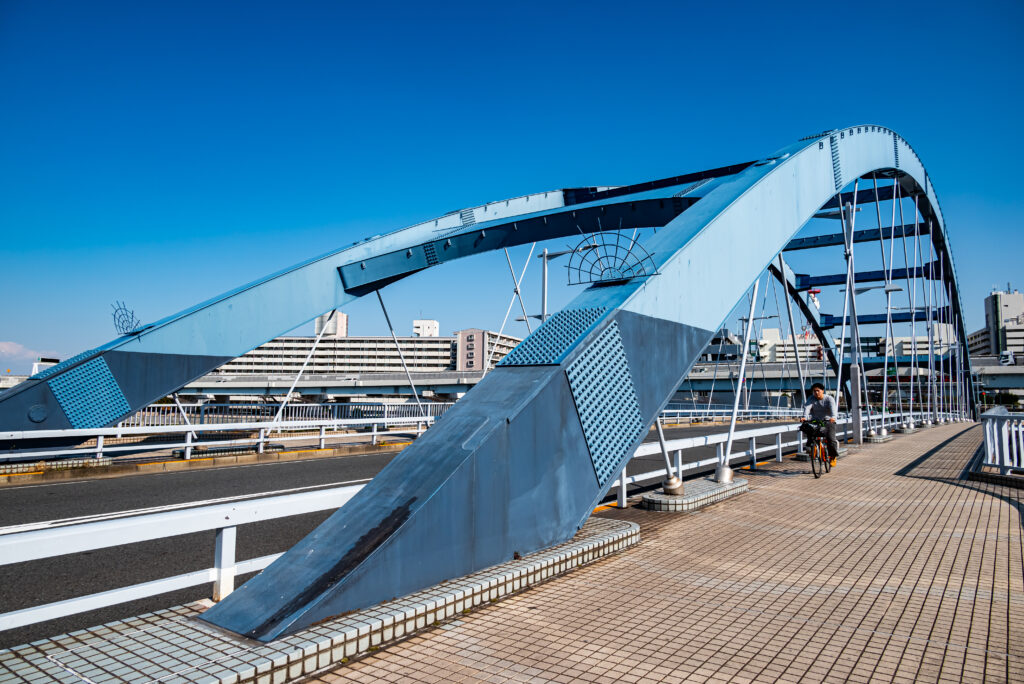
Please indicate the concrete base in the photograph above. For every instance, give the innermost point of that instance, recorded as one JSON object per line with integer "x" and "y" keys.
{"x": 697, "y": 494}
{"x": 878, "y": 439}
{"x": 905, "y": 431}
{"x": 172, "y": 646}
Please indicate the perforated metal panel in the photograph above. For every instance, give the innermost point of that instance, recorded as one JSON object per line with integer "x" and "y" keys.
{"x": 837, "y": 166}
{"x": 602, "y": 387}
{"x": 89, "y": 395}
{"x": 428, "y": 250}
{"x": 550, "y": 342}
{"x": 53, "y": 370}
{"x": 691, "y": 188}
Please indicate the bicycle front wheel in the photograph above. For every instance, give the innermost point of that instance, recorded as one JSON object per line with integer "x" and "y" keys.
{"x": 816, "y": 463}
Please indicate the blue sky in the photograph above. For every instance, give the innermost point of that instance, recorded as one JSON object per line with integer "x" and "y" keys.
{"x": 160, "y": 153}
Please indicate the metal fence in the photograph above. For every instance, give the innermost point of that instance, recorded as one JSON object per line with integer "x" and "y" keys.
{"x": 185, "y": 440}
{"x": 1004, "y": 439}
{"x": 205, "y": 414}
{"x": 36, "y": 541}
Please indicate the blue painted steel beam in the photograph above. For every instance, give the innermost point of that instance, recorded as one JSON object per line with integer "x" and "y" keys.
{"x": 930, "y": 271}
{"x": 864, "y": 196}
{"x": 919, "y": 315}
{"x": 870, "y": 235}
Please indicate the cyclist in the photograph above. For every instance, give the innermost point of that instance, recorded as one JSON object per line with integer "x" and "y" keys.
{"x": 822, "y": 407}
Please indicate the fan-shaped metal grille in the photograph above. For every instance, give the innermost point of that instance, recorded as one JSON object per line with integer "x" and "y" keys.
{"x": 609, "y": 257}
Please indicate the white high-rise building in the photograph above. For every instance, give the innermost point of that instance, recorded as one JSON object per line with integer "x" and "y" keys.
{"x": 336, "y": 326}
{"x": 426, "y": 328}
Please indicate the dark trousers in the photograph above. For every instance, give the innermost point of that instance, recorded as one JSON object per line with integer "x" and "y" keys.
{"x": 830, "y": 436}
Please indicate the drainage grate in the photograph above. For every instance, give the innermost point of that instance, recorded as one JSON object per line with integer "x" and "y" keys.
{"x": 468, "y": 217}
{"x": 89, "y": 395}
{"x": 602, "y": 387}
{"x": 550, "y": 342}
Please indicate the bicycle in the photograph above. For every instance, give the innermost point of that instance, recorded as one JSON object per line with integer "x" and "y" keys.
{"x": 817, "y": 450}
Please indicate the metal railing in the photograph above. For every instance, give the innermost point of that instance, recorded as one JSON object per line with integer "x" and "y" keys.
{"x": 35, "y": 541}
{"x": 204, "y": 414}
{"x": 1004, "y": 439}
{"x": 186, "y": 440}
{"x": 724, "y": 413}
{"x": 18, "y": 546}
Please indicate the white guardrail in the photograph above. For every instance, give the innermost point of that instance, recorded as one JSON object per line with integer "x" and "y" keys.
{"x": 30, "y": 542}
{"x": 112, "y": 441}
{"x": 1004, "y": 439}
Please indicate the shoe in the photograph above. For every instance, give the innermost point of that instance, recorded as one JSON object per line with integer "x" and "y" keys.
{"x": 832, "y": 463}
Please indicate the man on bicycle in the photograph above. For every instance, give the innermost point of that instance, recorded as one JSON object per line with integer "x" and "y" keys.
{"x": 822, "y": 407}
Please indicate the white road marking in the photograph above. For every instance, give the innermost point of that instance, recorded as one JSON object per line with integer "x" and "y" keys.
{"x": 48, "y": 524}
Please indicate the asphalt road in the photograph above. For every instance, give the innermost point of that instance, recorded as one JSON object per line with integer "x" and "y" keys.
{"x": 36, "y": 582}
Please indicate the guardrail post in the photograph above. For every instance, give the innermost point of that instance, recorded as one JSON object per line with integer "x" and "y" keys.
{"x": 621, "y": 503}
{"x": 259, "y": 445}
{"x": 679, "y": 463}
{"x": 188, "y": 445}
{"x": 99, "y": 447}
{"x": 224, "y": 563}
{"x": 752, "y": 446}
{"x": 373, "y": 434}
{"x": 778, "y": 447}
{"x": 323, "y": 431}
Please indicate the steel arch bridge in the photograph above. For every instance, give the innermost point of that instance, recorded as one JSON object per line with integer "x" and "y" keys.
{"x": 520, "y": 463}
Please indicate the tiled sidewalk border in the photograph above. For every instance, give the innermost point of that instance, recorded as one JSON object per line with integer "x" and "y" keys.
{"x": 172, "y": 647}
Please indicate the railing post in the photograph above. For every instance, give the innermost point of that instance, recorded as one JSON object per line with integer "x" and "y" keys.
{"x": 1004, "y": 439}
{"x": 373, "y": 432}
{"x": 679, "y": 463}
{"x": 778, "y": 447}
{"x": 989, "y": 442}
{"x": 224, "y": 563}
{"x": 323, "y": 431}
{"x": 188, "y": 445}
{"x": 99, "y": 447}
{"x": 259, "y": 447}
{"x": 752, "y": 446}
{"x": 621, "y": 503}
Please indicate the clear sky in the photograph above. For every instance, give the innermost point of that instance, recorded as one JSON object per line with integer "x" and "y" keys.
{"x": 163, "y": 152}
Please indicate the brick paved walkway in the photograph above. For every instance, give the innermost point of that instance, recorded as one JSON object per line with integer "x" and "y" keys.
{"x": 917, "y": 578}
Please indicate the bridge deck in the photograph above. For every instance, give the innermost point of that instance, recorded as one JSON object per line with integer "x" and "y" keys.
{"x": 893, "y": 567}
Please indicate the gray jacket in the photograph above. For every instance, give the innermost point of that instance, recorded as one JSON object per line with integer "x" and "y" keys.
{"x": 821, "y": 409}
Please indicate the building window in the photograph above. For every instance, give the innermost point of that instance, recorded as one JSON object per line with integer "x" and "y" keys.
{"x": 470, "y": 338}
{"x": 469, "y": 364}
